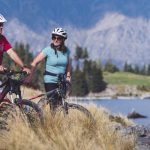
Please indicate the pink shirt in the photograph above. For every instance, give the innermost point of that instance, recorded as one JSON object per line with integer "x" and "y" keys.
{"x": 4, "y": 46}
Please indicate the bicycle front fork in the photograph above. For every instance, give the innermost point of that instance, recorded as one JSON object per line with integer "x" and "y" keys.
{"x": 66, "y": 107}
{"x": 16, "y": 100}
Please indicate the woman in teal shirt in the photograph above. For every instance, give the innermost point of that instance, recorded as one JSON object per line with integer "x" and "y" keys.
{"x": 57, "y": 59}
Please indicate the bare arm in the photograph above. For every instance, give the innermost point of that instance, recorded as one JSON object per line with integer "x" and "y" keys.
{"x": 68, "y": 70}
{"x": 34, "y": 63}
{"x": 13, "y": 55}
{"x": 37, "y": 59}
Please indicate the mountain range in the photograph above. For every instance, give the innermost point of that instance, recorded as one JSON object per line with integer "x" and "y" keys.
{"x": 108, "y": 29}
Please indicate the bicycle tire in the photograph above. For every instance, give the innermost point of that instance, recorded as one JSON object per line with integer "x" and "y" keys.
{"x": 79, "y": 108}
{"x": 28, "y": 107}
{"x": 6, "y": 110}
{"x": 3, "y": 109}
{"x": 42, "y": 102}
{"x": 61, "y": 108}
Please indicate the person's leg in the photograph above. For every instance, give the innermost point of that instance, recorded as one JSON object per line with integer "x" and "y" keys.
{"x": 50, "y": 86}
{"x": 55, "y": 101}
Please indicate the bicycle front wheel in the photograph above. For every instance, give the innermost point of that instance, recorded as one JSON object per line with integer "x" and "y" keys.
{"x": 33, "y": 112}
{"x": 75, "y": 112}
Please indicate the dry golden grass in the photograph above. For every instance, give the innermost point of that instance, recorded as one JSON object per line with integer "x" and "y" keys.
{"x": 29, "y": 92}
{"x": 67, "y": 133}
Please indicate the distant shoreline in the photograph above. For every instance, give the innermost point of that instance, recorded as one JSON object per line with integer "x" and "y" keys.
{"x": 116, "y": 92}
{"x": 110, "y": 98}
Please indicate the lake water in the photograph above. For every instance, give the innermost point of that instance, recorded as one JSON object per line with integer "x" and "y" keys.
{"x": 124, "y": 107}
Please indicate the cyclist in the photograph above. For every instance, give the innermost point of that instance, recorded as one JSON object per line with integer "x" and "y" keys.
{"x": 56, "y": 58}
{"x": 6, "y": 47}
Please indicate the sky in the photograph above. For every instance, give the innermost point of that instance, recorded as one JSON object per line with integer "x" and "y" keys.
{"x": 79, "y": 13}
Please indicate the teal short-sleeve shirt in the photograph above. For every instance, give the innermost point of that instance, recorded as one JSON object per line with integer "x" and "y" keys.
{"x": 55, "y": 63}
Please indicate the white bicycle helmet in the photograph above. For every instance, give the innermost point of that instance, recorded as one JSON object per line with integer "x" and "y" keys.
{"x": 60, "y": 32}
{"x": 2, "y": 19}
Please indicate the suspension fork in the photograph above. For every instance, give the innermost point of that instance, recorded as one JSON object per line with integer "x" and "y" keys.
{"x": 65, "y": 105}
{"x": 11, "y": 97}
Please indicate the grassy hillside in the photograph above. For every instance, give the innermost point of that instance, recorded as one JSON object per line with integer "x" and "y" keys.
{"x": 124, "y": 78}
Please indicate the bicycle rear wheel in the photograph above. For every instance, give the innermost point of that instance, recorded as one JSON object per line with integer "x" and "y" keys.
{"x": 33, "y": 112}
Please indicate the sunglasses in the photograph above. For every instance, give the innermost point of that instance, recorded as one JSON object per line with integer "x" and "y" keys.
{"x": 57, "y": 37}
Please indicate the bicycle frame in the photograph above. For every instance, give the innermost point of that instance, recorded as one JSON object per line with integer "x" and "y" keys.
{"x": 11, "y": 86}
{"x": 60, "y": 104}
{"x": 61, "y": 90}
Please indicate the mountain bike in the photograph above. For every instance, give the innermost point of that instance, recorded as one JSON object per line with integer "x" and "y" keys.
{"x": 58, "y": 104}
{"x": 11, "y": 86}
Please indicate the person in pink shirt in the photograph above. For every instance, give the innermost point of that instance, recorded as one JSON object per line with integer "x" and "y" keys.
{"x": 6, "y": 47}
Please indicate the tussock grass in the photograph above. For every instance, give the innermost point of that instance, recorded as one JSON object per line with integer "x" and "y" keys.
{"x": 74, "y": 132}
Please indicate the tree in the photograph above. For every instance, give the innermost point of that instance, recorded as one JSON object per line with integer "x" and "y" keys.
{"x": 87, "y": 67}
{"x": 128, "y": 68}
{"x": 90, "y": 78}
{"x": 79, "y": 83}
{"x": 136, "y": 69}
{"x": 85, "y": 54}
{"x": 78, "y": 52}
{"x": 148, "y": 70}
{"x": 94, "y": 76}
{"x": 125, "y": 68}
{"x": 81, "y": 53}
{"x": 96, "y": 83}
{"x": 143, "y": 70}
{"x": 110, "y": 67}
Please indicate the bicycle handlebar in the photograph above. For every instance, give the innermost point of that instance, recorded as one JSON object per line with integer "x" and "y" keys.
{"x": 9, "y": 74}
{"x": 12, "y": 72}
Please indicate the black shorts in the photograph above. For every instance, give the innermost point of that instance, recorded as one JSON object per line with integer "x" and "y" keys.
{"x": 49, "y": 87}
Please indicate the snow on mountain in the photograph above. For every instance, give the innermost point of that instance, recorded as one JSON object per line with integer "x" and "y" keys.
{"x": 115, "y": 37}
{"x": 128, "y": 41}
{"x": 119, "y": 38}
